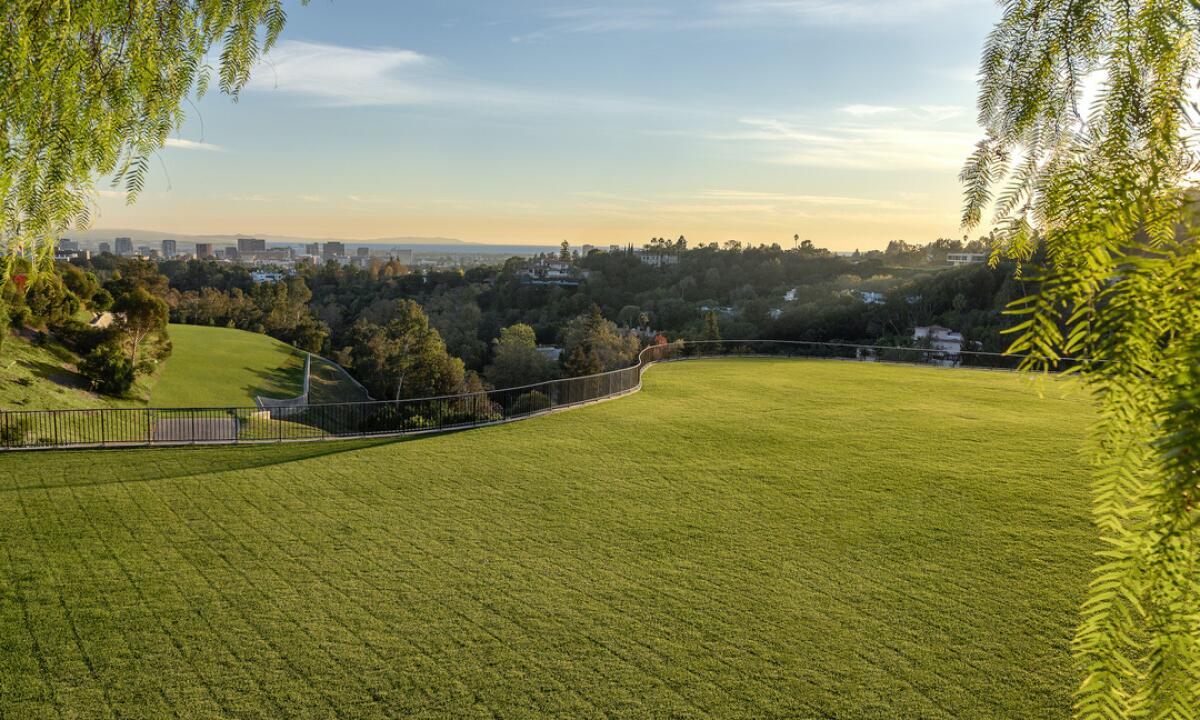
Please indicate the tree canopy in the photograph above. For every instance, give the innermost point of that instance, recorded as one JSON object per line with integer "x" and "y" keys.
{"x": 404, "y": 357}
{"x": 95, "y": 88}
{"x": 516, "y": 360}
{"x": 1097, "y": 203}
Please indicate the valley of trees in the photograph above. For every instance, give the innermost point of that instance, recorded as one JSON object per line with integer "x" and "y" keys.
{"x": 410, "y": 334}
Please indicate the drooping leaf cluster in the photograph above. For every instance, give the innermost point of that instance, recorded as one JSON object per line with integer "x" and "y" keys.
{"x": 89, "y": 89}
{"x": 1106, "y": 194}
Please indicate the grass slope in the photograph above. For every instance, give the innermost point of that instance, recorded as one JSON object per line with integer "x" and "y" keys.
{"x": 329, "y": 384}
{"x": 743, "y": 539}
{"x": 214, "y": 367}
{"x": 43, "y": 377}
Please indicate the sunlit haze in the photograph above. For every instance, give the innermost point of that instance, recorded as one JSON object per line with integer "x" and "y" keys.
{"x": 842, "y": 121}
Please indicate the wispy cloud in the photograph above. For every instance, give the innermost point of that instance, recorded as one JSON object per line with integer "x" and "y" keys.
{"x": 340, "y": 76}
{"x": 192, "y": 145}
{"x": 746, "y": 207}
{"x": 256, "y": 198}
{"x": 598, "y": 19}
{"x": 833, "y": 12}
{"x": 869, "y": 110}
{"x": 345, "y": 75}
{"x": 906, "y": 139}
{"x": 793, "y": 199}
{"x": 736, "y": 13}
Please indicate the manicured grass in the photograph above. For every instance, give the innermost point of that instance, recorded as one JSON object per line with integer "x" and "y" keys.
{"x": 743, "y": 539}
{"x": 219, "y": 367}
{"x": 328, "y": 383}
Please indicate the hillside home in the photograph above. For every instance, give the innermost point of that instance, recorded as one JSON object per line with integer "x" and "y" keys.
{"x": 262, "y": 276}
{"x": 966, "y": 258}
{"x": 552, "y": 272}
{"x": 943, "y": 339}
{"x": 656, "y": 259}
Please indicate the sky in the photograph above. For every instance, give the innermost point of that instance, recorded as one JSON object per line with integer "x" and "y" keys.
{"x": 528, "y": 122}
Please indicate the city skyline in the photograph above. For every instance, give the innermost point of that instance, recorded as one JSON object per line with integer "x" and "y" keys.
{"x": 534, "y": 123}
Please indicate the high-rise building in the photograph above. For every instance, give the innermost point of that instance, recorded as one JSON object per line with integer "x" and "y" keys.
{"x": 333, "y": 250}
{"x": 68, "y": 245}
{"x": 313, "y": 249}
{"x": 105, "y": 248}
{"x": 249, "y": 246}
{"x": 204, "y": 250}
{"x": 169, "y": 248}
{"x": 124, "y": 246}
{"x": 403, "y": 256}
{"x": 363, "y": 252}
{"x": 143, "y": 251}
{"x": 231, "y": 253}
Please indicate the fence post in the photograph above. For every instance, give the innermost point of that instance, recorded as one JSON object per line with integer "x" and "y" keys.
{"x": 149, "y": 439}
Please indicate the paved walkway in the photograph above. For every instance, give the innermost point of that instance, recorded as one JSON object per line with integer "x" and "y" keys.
{"x": 196, "y": 430}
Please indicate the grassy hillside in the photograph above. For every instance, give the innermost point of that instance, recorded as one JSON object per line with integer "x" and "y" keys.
{"x": 743, "y": 539}
{"x": 329, "y": 384}
{"x": 213, "y": 367}
{"x": 41, "y": 377}
{"x": 208, "y": 367}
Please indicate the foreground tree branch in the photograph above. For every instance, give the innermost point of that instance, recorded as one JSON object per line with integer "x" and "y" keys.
{"x": 95, "y": 88}
{"x": 1099, "y": 204}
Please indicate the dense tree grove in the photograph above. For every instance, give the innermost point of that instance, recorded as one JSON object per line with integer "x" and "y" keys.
{"x": 401, "y": 356}
{"x": 59, "y": 305}
{"x": 405, "y": 333}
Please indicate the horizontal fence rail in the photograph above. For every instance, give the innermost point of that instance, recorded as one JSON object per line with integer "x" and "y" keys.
{"x": 141, "y": 427}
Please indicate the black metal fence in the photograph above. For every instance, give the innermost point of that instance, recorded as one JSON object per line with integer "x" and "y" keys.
{"x": 134, "y": 427}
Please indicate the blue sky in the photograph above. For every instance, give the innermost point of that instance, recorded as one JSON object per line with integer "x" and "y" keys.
{"x": 844, "y": 121}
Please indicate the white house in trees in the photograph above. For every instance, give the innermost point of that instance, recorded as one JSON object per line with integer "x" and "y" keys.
{"x": 943, "y": 339}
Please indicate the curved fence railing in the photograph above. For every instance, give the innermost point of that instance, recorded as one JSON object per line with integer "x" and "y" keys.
{"x": 133, "y": 427}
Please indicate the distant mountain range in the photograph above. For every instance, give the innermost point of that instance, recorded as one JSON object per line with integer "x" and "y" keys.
{"x": 152, "y": 238}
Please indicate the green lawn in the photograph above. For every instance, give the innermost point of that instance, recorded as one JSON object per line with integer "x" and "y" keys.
{"x": 215, "y": 367}
{"x": 743, "y": 539}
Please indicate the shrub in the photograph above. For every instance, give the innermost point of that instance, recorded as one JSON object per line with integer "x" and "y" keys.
{"x": 528, "y": 403}
{"x": 83, "y": 338}
{"x": 108, "y": 370}
{"x": 102, "y": 300}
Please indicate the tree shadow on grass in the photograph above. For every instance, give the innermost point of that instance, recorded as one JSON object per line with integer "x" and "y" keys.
{"x": 279, "y": 383}
{"x": 56, "y": 374}
{"x": 88, "y": 468}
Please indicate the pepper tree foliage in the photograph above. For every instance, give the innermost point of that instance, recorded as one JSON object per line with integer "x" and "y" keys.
{"x": 1099, "y": 203}
{"x": 94, "y": 88}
